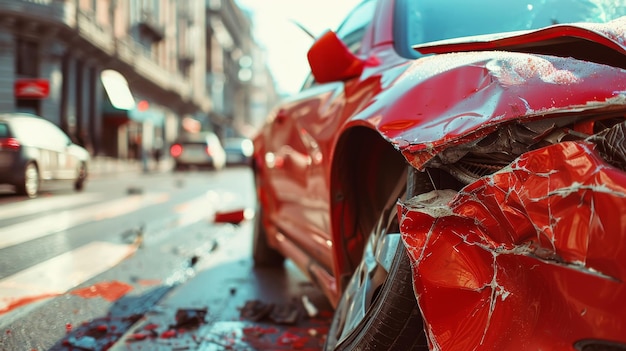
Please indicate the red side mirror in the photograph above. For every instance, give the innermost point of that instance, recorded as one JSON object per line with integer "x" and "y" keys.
{"x": 331, "y": 60}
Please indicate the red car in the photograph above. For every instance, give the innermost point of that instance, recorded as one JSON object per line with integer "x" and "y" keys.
{"x": 453, "y": 176}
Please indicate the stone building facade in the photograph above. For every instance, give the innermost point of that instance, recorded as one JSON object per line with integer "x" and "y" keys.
{"x": 92, "y": 54}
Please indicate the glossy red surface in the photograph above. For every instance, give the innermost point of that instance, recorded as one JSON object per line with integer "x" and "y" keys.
{"x": 529, "y": 258}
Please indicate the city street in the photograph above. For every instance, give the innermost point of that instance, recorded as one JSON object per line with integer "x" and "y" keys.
{"x": 138, "y": 262}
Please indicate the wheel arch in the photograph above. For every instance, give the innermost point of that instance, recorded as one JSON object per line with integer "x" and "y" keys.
{"x": 365, "y": 170}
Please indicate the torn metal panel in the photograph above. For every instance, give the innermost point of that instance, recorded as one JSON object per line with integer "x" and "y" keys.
{"x": 490, "y": 89}
{"x": 512, "y": 257}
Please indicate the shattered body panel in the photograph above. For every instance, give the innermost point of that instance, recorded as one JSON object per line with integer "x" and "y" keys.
{"x": 532, "y": 247}
{"x": 538, "y": 244}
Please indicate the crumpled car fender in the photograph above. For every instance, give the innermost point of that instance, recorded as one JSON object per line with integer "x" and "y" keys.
{"x": 506, "y": 261}
{"x": 450, "y": 99}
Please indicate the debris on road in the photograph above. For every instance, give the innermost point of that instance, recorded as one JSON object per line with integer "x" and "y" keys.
{"x": 285, "y": 314}
{"x": 110, "y": 291}
{"x": 310, "y": 308}
{"x": 134, "y": 235}
{"x": 234, "y": 216}
{"x": 134, "y": 190}
{"x": 190, "y": 317}
{"x": 255, "y": 310}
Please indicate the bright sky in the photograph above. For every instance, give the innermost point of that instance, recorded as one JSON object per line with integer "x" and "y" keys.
{"x": 285, "y": 42}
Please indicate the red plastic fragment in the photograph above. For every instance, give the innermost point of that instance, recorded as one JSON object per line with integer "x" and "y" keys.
{"x": 233, "y": 217}
{"x": 139, "y": 336}
{"x": 151, "y": 326}
{"x": 110, "y": 291}
{"x": 168, "y": 334}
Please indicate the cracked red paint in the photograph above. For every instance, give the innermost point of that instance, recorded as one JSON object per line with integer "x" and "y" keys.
{"x": 110, "y": 291}
{"x": 512, "y": 257}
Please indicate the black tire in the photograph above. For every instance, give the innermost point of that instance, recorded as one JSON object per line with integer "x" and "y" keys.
{"x": 31, "y": 181}
{"x": 79, "y": 184}
{"x": 378, "y": 309}
{"x": 393, "y": 322}
{"x": 262, "y": 254}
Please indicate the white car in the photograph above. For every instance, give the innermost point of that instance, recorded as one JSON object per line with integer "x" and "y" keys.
{"x": 34, "y": 152}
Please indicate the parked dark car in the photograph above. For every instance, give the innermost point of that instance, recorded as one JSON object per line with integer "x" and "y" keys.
{"x": 35, "y": 153}
{"x": 457, "y": 193}
{"x": 198, "y": 150}
{"x": 238, "y": 151}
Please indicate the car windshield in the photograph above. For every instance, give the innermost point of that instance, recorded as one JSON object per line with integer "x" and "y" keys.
{"x": 433, "y": 20}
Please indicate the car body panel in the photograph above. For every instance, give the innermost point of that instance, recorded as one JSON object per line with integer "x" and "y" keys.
{"x": 294, "y": 160}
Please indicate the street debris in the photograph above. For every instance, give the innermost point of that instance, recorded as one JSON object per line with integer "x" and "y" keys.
{"x": 110, "y": 291}
{"x": 103, "y": 333}
{"x": 288, "y": 314}
{"x": 255, "y": 310}
{"x": 134, "y": 190}
{"x": 310, "y": 308}
{"x": 134, "y": 235}
{"x": 285, "y": 314}
{"x": 190, "y": 317}
{"x": 234, "y": 216}
{"x": 193, "y": 260}
{"x": 99, "y": 334}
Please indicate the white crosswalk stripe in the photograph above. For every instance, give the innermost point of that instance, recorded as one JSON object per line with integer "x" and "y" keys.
{"x": 63, "y": 272}
{"x": 26, "y": 208}
{"x": 47, "y": 225}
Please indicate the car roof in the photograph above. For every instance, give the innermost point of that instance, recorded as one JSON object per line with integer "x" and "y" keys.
{"x": 18, "y": 114}
{"x": 12, "y": 115}
{"x": 196, "y": 137}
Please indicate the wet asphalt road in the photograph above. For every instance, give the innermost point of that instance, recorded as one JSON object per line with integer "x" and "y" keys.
{"x": 188, "y": 283}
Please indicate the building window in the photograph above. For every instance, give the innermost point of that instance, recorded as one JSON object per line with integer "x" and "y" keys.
{"x": 27, "y": 66}
{"x": 27, "y": 58}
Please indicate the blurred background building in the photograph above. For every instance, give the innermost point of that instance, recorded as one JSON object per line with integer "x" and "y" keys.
{"x": 122, "y": 77}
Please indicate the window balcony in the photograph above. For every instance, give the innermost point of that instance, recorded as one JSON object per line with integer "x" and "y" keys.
{"x": 149, "y": 27}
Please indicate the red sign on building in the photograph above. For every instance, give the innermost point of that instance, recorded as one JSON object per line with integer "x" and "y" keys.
{"x": 31, "y": 88}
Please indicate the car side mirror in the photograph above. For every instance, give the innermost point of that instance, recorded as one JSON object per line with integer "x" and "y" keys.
{"x": 331, "y": 60}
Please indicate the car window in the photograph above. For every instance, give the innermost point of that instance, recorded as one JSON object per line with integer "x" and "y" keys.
{"x": 432, "y": 20}
{"x": 34, "y": 131}
{"x": 352, "y": 30}
{"x": 4, "y": 130}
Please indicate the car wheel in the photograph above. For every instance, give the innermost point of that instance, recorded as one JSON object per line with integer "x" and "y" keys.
{"x": 378, "y": 308}
{"x": 30, "y": 184}
{"x": 81, "y": 177}
{"x": 262, "y": 254}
